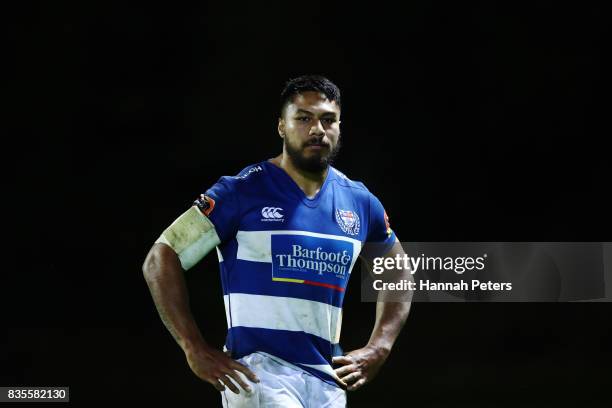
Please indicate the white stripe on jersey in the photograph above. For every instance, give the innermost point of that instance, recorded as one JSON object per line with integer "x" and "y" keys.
{"x": 285, "y": 313}
{"x": 219, "y": 255}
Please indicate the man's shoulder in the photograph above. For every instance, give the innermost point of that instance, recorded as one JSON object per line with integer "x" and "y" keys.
{"x": 342, "y": 180}
{"x": 248, "y": 175}
{"x": 250, "y": 172}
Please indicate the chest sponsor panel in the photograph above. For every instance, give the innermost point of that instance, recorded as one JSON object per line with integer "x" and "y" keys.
{"x": 311, "y": 260}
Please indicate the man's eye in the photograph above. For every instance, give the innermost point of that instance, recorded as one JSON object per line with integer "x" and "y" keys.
{"x": 303, "y": 119}
{"x": 329, "y": 120}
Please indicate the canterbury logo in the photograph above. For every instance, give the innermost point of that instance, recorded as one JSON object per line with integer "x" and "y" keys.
{"x": 272, "y": 213}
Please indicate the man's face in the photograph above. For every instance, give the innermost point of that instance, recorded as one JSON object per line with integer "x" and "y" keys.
{"x": 311, "y": 128}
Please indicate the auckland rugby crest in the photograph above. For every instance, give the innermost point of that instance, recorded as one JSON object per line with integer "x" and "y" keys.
{"x": 348, "y": 221}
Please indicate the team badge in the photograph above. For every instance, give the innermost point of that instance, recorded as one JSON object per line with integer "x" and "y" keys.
{"x": 348, "y": 221}
{"x": 205, "y": 203}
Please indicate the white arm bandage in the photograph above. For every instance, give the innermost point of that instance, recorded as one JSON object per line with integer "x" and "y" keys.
{"x": 191, "y": 236}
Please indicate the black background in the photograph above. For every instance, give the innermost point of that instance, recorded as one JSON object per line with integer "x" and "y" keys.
{"x": 481, "y": 121}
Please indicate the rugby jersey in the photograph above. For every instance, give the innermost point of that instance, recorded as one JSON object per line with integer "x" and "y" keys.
{"x": 285, "y": 261}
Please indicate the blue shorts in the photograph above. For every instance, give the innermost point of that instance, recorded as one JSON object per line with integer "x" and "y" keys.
{"x": 282, "y": 386}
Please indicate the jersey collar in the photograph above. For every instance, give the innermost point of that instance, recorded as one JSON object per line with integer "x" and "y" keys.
{"x": 288, "y": 181}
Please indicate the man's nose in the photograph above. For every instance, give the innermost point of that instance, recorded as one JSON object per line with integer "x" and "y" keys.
{"x": 317, "y": 128}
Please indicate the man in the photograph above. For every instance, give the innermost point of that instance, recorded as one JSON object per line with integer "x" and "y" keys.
{"x": 287, "y": 232}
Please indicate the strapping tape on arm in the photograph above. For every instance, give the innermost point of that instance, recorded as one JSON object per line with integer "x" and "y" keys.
{"x": 191, "y": 236}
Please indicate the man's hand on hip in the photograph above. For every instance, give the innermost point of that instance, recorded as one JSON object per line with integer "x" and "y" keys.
{"x": 359, "y": 366}
{"x": 217, "y": 368}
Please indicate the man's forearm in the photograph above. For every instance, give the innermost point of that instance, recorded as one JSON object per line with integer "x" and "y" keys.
{"x": 164, "y": 275}
{"x": 391, "y": 308}
{"x": 390, "y": 318}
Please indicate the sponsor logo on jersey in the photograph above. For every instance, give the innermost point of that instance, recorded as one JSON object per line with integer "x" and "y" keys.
{"x": 273, "y": 214}
{"x": 311, "y": 260}
{"x": 248, "y": 172}
{"x": 348, "y": 221}
{"x": 205, "y": 203}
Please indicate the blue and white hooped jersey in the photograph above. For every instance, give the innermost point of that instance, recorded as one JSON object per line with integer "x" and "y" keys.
{"x": 285, "y": 260}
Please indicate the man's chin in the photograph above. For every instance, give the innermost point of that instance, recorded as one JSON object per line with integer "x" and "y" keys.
{"x": 314, "y": 166}
{"x": 311, "y": 160}
{"x": 312, "y": 163}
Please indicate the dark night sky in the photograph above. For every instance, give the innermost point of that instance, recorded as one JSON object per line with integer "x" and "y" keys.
{"x": 471, "y": 122}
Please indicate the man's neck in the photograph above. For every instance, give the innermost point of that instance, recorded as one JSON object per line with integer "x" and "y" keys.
{"x": 309, "y": 183}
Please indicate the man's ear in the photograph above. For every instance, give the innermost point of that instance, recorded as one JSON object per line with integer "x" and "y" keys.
{"x": 281, "y": 127}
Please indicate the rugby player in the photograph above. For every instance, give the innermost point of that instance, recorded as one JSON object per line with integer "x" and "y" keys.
{"x": 287, "y": 232}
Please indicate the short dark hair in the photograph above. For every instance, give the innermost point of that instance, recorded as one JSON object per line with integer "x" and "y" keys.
{"x": 304, "y": 83}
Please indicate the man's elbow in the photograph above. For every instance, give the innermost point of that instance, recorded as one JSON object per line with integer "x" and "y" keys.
{"x": 150, "y": 262}
{"x": 156, "y": 258}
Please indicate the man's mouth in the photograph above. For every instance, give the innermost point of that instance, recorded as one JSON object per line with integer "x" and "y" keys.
{"x": 318, "y": 146}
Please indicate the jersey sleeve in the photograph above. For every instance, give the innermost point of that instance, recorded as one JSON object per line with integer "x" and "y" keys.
{"x": 380, "y": 235}
{"x": 220, "y": 204}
